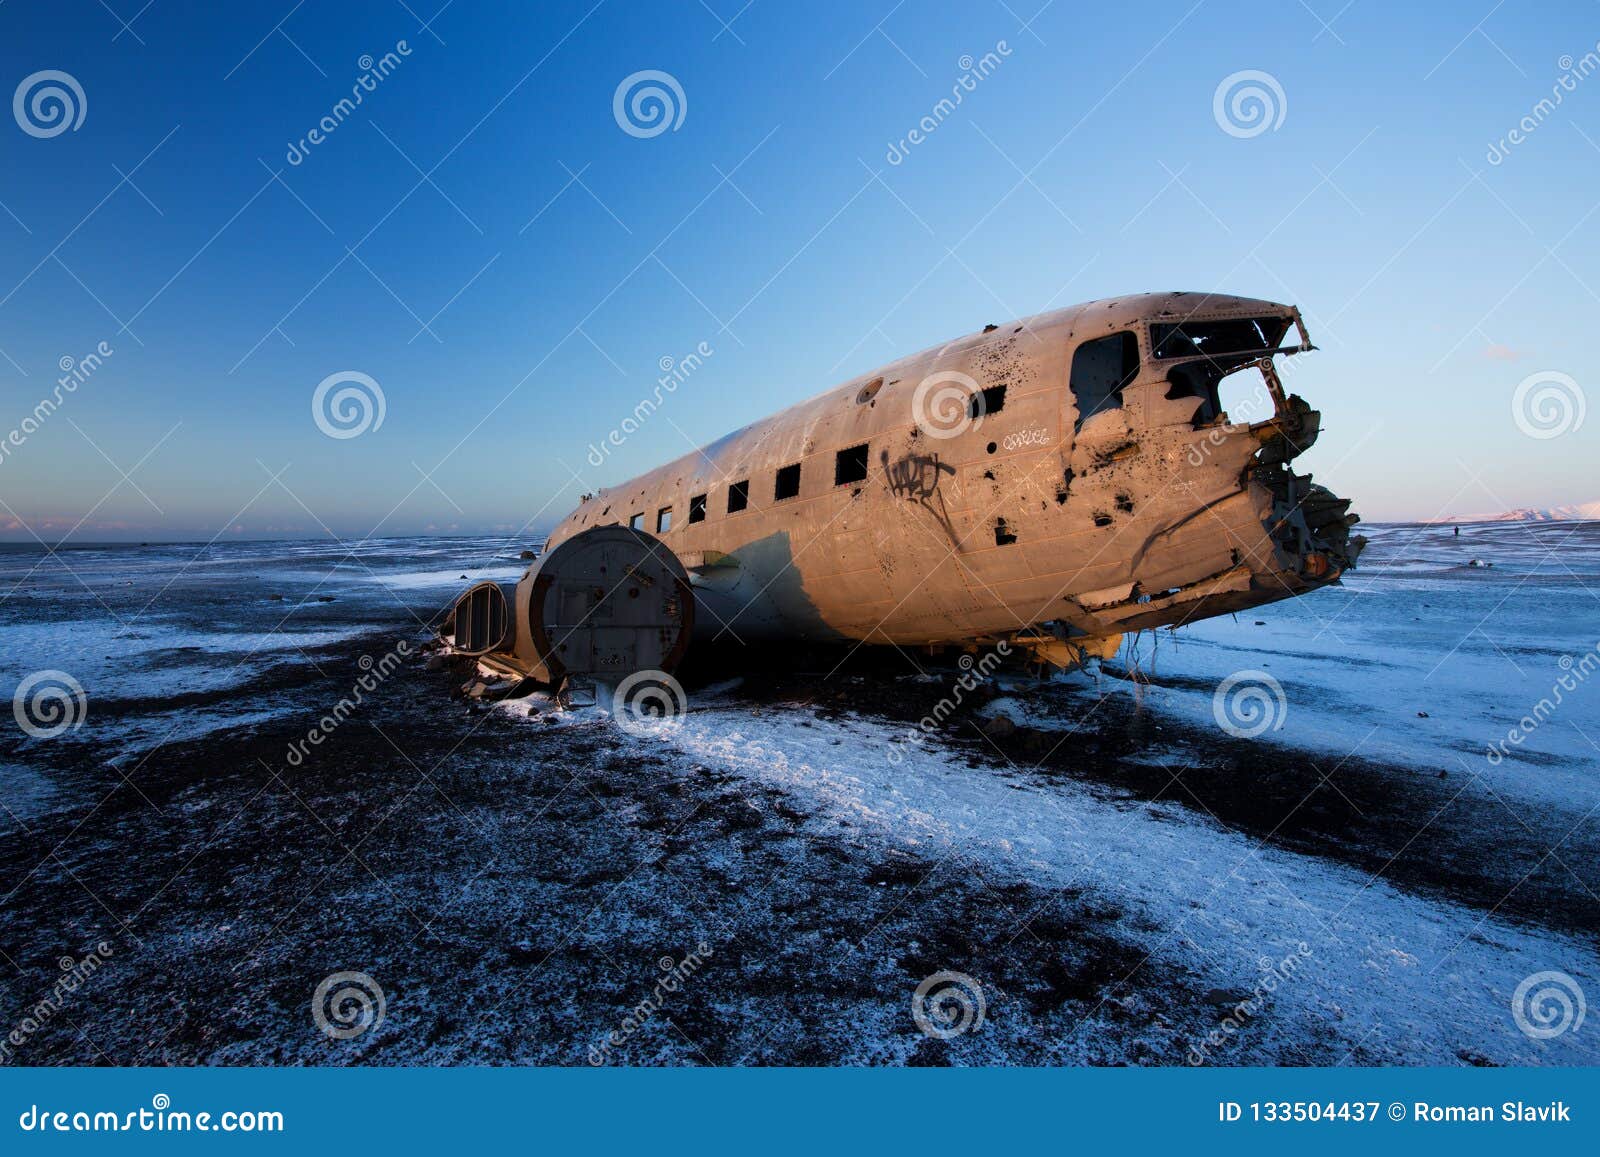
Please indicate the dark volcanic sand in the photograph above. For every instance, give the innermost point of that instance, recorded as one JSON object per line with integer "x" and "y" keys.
{"x": 511, "y": 886}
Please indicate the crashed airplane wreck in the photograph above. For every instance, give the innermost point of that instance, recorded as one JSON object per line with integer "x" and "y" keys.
{"x": 1048, "y": 485}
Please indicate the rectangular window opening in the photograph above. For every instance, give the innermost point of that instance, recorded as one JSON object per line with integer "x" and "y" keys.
{"x": 738, "y": 496}
{"x": 697, "y": 508}
{"x": 1101, "y": 370}
{"x": 636, "y": 522}
{"x": 664, "y": 520}
{"x": 990, "y": 401}
{"x": 850, "y": 465}
{"x": 788, "y": 484}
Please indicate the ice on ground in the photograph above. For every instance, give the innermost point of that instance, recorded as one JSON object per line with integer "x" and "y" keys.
{"x": 134, "y": 737}
{"x": 136, "y": 625}
{"x": 155, "y": 658}
{"x": 1420, "y": 659}
{"x": 452, "y": 577}
{"x": 1391, "y": 975}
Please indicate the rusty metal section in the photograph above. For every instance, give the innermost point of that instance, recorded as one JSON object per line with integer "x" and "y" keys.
{"x": 605, "y": 604}
{"x": 479, "y": 622}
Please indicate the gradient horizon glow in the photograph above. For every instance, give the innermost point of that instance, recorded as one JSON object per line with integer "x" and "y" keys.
{"x": 483, "y": 238}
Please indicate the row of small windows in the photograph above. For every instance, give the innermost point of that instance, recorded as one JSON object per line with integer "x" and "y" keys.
{"x": 850, "y": 465}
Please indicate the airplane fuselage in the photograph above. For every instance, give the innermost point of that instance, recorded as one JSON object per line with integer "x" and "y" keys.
{"x": 1071, "y": 474}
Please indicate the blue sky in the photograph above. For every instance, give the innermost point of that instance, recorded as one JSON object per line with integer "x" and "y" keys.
{"x": 513, "y": 306}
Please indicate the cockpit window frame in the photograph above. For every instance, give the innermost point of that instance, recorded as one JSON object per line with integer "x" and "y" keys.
{"x": 1160, "y": 331}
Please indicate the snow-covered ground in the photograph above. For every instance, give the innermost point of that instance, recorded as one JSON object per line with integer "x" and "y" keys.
{"x": 138, "y": 625}
{"x": 450, "y": 579}
{"x": 1399, "y": 978}
{"x": 1424, "y": 659}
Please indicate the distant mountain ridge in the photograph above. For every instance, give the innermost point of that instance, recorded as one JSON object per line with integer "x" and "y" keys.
{"x": 1579, "y": 512}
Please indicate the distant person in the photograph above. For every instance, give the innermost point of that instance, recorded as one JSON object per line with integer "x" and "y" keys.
{"x": 1458, "y": 532}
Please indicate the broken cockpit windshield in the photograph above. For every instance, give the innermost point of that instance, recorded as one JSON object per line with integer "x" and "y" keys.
{"x": 1239, "y": 335}
{"x": 1211, "y": 351}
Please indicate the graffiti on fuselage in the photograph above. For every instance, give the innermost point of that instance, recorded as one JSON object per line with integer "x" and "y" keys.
{"x": 917, "y": 476}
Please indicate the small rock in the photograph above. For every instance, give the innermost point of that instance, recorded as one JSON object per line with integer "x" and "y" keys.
{"x": 1422, "y": 715}
{"x": 999, "y": 727}
{"x": 324, "y": 598}
{"x": 463, "y": 576}
{"x": 1261, "y": 622}
{"x": 527, "y": 554}
{"x": 274, "y": 598}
